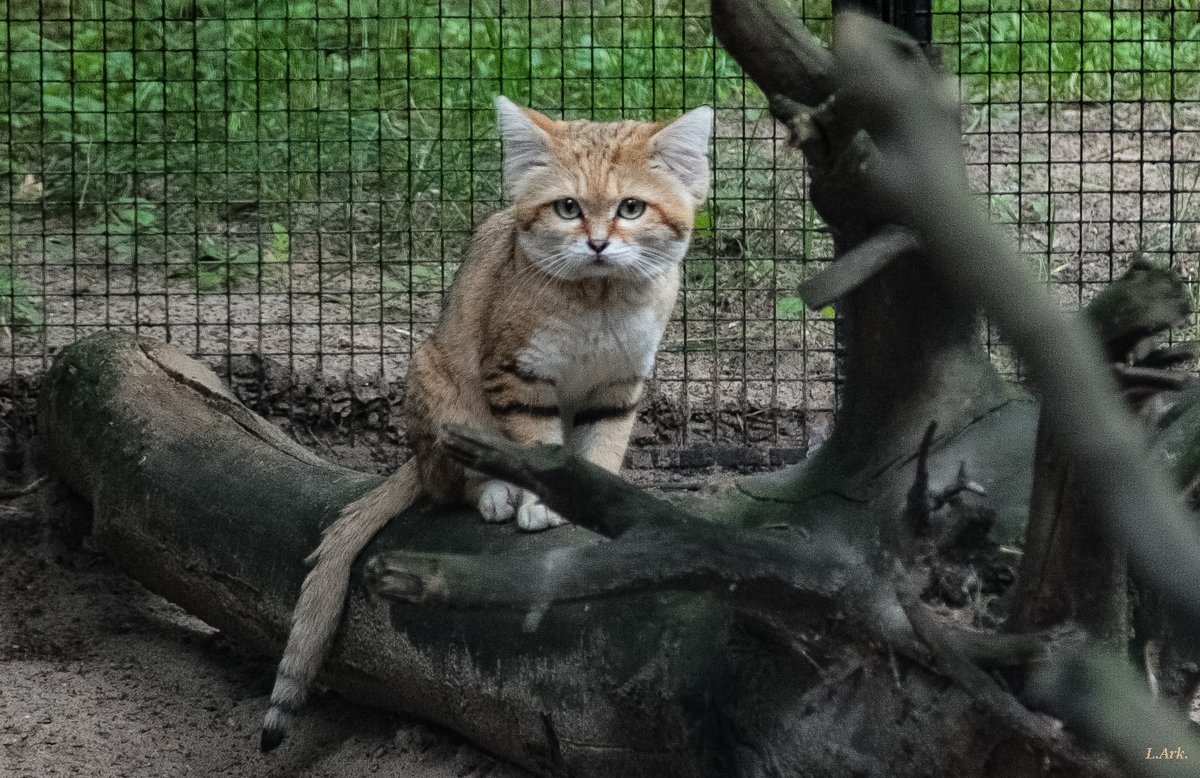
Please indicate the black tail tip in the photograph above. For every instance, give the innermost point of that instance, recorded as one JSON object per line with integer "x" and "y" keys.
{"x": 271, "y": 737}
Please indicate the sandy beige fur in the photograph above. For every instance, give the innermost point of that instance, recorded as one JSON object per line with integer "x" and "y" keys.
{"x": 548, "y": 333}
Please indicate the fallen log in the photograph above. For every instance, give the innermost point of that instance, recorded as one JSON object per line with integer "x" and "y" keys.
{"x": 215, "y": 509}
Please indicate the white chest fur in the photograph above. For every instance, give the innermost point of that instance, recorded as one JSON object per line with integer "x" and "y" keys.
{"x": 581, "y": 351}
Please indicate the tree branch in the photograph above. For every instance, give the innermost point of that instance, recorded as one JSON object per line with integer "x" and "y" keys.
{"x": 1144, "y": 302}
{"x": 1098, "y": 693}
{"x": 655, "y": 544}
{"x": 766, "y": 571}
{"x": 948, "y": 659}
{"x": 919, "y": 174}
{"x": 857, "y": 265}
{"x": 768, "y": 566}
{"x": 794, "y": 63}
{"x": 585, "y": 494}
{"x": 1070, "y": 571}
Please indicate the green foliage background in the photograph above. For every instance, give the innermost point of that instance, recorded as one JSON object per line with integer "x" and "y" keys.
{"x": 301, "y": 96}
{"x": 150, "y": 121}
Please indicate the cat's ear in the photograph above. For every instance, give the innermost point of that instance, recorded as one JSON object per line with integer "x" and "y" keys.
{"x": 525, "y": 140}
{"x": 682, "y": 148}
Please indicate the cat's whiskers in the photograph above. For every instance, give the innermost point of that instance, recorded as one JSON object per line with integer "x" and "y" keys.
{"x": 539, "y": 275}
{"x": 650, "y": 263}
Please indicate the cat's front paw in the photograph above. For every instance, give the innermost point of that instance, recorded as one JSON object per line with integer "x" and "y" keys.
{"x": 534, "y": 516}
{"x": 498, "y": 501}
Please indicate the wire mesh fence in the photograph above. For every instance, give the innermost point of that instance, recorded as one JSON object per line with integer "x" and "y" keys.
{"x": 285, "y": 188}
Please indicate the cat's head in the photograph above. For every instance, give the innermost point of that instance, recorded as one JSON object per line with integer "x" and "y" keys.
{"x": 596, "y": 199}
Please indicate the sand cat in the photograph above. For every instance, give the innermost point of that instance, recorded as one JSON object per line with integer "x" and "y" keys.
{"x": 548, "y": 333}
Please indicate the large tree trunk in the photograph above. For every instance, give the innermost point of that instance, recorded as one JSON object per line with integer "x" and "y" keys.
{"x": 215, "y": 509}
{"x": 913, "y": 354}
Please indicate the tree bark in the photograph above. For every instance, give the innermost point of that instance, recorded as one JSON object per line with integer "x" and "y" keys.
{"x": 1072, "y": 571}
{"x": 215, "y": 509}
{"x": 913, "y": 354}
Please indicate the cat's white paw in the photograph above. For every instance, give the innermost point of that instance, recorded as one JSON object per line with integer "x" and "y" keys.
{"x": 534, "y": 516}
{"x": 498, "y": 501}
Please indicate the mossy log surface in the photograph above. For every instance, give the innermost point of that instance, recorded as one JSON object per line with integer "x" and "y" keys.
{"x": 215, "y": 508}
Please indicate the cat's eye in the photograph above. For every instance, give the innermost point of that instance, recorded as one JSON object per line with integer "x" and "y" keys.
{"x": 567, "y": 208}
{"x": 631, "y": 208}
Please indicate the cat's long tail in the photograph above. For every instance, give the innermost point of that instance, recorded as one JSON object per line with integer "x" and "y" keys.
{"x": 323, "y": 595}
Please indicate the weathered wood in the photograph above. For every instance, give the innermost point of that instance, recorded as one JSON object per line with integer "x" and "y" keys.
{"x": 655, "y": 546}
{"x": 919, "y": 176}
{"x": 886, "y": 142}
{"x": 1072, "y": 570}
{"x": 912, "y": 350}
{"x": 215, "y": 509}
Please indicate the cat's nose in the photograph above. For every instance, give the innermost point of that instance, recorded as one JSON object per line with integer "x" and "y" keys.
{"x": 597, "y": 246}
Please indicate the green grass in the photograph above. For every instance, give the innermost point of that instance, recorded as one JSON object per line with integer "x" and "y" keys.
{"x": 1065, "y": 50}
{"x": 327, "y": 98}
{"x": 296, "y": 99}
{"x": 152, "y": 121}
{"x": 225, "y": 265}
{"x": 18, "y": 304}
